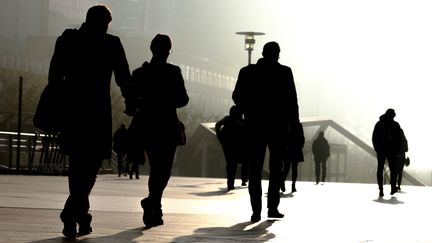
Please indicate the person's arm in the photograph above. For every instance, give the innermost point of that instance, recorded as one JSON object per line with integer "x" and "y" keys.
{"x": 123, "y": 77}
{"x": 181, "y": 98}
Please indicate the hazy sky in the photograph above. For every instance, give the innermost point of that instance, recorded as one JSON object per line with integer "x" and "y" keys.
{"x": 351, "y": 59}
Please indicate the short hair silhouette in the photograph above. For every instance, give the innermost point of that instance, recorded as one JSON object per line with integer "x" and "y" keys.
{"x": 99, "y": 17}
{"x": 271, "y": 51}
{"x": 390, "y": 113}
{"x": 161, "y": 45}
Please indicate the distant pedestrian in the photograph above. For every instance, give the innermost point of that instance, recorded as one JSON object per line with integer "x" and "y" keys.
{"x": 120, "y": 144}
{"x": 321, "y": 152}
{"x": 230, "y": 132}
{"x": 266, "y": 94}
{"x": 402, "y": 160}
{"x": 83, "y": 61}
{"x": 386, "y": 139}
{"x": 294, "y": 155}
{"x": 160, "y": 91}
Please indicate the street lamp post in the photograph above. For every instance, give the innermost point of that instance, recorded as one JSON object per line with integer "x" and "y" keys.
{"x": 249, "y": 41}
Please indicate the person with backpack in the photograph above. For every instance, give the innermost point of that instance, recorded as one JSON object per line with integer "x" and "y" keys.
{"x": 231, "y": 135}
{"x": 386, "y": 139}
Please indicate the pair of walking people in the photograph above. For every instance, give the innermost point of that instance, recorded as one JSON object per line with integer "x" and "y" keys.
{"x": 83, "y": 62}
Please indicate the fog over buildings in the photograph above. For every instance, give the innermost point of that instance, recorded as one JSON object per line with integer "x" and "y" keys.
{"x": 351, "y": 59}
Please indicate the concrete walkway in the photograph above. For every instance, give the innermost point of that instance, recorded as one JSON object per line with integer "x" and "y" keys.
{"x": 200, "y": 210}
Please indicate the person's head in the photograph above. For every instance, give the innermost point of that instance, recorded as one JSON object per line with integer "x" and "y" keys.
{"x": 271, "y": 51}
{"x": 123, "y": 126}
{"x": 161, "y": 46}
{"x": 98, "y": 18}
{"x": 390, "y": 113}
{"x": 321, "y": 134}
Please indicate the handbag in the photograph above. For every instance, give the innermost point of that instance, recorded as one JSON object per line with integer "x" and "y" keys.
{"x": 49, "y": 114}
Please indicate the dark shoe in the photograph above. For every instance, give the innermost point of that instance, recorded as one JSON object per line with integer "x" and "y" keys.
{"x": 255, "y": 217}
{"x": 157, "y": 218}
{"x": 230, "y": 187}
{"x": 293, "y": 188}
{"x": 398, "y": 189}
{"x": 393, "y": 191}
{"x": 381, "y": 193}
{"x": 147, "y": 212}
{"x": 137, "y": 177}
{"x": 84, "y": 225}
{"x": 274, "y": 214}
{"x": 69, "y": 226}
{"x": 283, "y": 187}
{"x": 244, "y": 183}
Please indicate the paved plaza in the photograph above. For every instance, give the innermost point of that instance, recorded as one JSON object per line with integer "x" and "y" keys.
{"x": 200, "y": 210}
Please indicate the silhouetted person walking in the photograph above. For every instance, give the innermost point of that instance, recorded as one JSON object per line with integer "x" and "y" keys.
{"x": 294, "y": 155}
{"x": 266, "y": 94}
{"x": 386, "y": 139}
{"x": 120, "y": 144}
{"x": 401, "y": 159}
{"x": 160, "y": 90}
{"x": 321, "y": 152}
{"x": 83, "y": 61}
{"x": 230, "y": 132}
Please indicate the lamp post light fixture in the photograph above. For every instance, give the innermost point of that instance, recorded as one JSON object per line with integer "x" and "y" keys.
{"x": 249, "y": 41}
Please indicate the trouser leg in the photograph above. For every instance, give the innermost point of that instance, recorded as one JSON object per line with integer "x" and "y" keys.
{"x": 257, "y": 155}
{"x": 82, "y": 177}
{"x": 276, "y": 150}
{"x": 161, "y": 160}
{"x": 324, "y": 170}
{"x": 294, "y": 173}
{"x": 380, "y": 170}
{"x": 317, "y": 170}
{"x": 245, "y": 171}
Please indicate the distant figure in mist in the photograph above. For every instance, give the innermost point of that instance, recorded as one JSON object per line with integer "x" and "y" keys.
{"x": 321, "y": 152}
{"x": 230, "y": 132}
{"x": 84, "y": 60}
{"x": 401, "y": 159}
{"x": 160, "y": 91}
{"x": 387, "y": 140}
{"x": 136, "y": 155}
{"x": 294, "y": 155}
{"x": 120, "y": 144}
{"x": 265, "y": 93}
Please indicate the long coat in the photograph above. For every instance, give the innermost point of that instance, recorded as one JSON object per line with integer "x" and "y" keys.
{"x": 84, "y": 62}
{"x": 266, "y": 93}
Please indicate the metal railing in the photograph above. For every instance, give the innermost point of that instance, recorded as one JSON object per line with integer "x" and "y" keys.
{"x": 31, "y": 153}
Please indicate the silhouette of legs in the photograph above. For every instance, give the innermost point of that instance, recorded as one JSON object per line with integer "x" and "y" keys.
{"x": 317, "y": 170}
{"x": 244, "y": 173}
{"x": 81, "y": 176}
{"x": 257, "y": 154}
{"x": 276, "y": 149}
{"x": 285, "y": 171}
{"x": 231, "y": 167}
{"x": 161, "y": 159}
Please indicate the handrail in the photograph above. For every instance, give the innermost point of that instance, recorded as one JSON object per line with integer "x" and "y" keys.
{"x": 325, "y": 122}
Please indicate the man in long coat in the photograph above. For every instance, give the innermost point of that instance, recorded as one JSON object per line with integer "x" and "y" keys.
{"x": 266, "y": 94}
{"x": 83, "y": 61}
